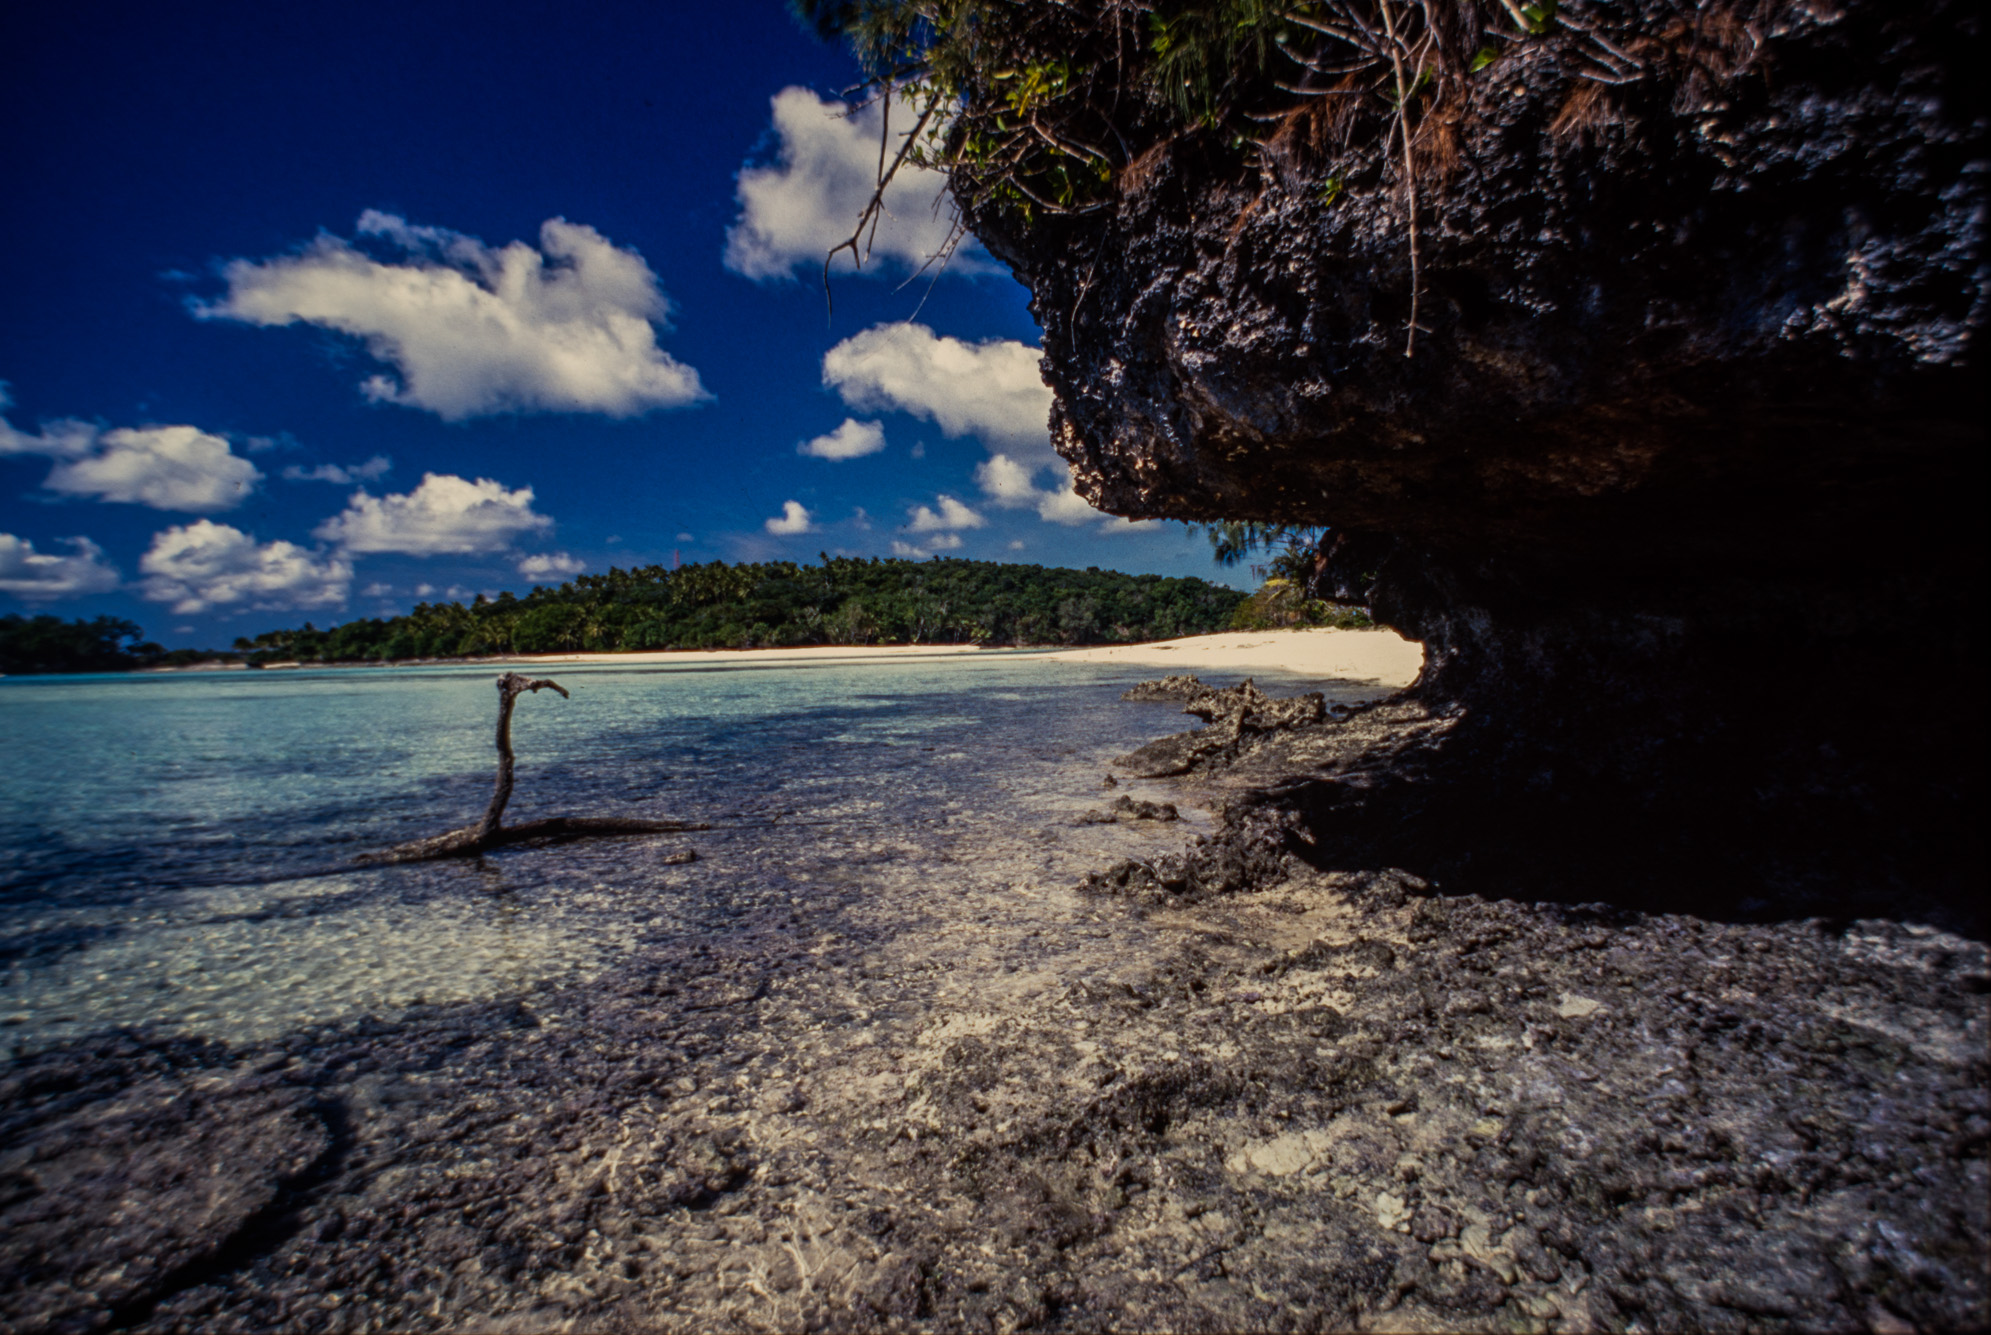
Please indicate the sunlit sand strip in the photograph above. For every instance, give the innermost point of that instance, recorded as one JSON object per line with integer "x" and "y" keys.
{"x": 804, "y": 654}
{"x": 1379, "y": 656}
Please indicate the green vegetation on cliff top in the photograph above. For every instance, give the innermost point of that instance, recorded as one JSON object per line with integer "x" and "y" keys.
{"x": 1035, "y": 109}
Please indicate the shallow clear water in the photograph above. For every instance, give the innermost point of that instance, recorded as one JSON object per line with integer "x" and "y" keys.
{"x": 165, "y": 839}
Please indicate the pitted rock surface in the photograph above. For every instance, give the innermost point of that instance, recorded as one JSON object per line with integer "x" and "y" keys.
{"x": 1688, "y": 448}
{"x": 115, "y": 1192}
{"x": 1234, "y": 715}
{"x": 1301, "y": 1098}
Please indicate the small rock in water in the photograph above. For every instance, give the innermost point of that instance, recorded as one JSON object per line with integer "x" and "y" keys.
{"x": 682, "y": 856}
{"x": 1130, "y": 809}
{"x": 1235, "y": 715}
{"x": 1171, "y": 687}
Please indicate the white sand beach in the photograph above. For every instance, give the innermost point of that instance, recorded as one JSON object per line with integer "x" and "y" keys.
{"x": 1378, "y": 656}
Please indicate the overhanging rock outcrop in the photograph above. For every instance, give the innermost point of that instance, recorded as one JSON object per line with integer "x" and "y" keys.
{"x": 1681, "y": 486}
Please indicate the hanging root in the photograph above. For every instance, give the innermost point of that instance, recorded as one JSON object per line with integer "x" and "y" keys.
{"x": 1403, "y": 88}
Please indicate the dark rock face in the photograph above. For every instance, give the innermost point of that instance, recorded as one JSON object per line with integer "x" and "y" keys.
{"x": 1235, "y": 716}
{"x": 1686, "y": 456}
{"x": 115, "y": 1191}
{"x": 1129, "y": 809}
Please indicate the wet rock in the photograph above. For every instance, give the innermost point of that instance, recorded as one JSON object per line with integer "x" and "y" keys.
{"x": 1128, "y": 809}
{"x": 1246, "y": 855}
{"x": 1433, "y": 1223}
{"x": 115, "y": 1200}
{"x": 1235, "y": 716}
{"x": 1172, "y": 755}
{"x": 1186, "y": 689}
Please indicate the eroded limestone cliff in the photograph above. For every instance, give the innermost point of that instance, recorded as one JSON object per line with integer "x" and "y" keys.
{"x": 1678, "y": 484}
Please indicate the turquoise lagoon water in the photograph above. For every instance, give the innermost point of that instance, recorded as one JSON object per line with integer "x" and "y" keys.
{"x": 165, "y": 839}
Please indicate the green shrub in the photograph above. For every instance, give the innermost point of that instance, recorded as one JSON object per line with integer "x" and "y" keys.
{"x": 1281, "y": 604}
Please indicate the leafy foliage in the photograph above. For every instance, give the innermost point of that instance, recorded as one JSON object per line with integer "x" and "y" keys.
{"x": 1034, "y": 109}
{"x": 1293, "y": 551}
{"x": 1282, "y": 603}
{"x": 719, "y": 606}
{"x": 50, "y": 644}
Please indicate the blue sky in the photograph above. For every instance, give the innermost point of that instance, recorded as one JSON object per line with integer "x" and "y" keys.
{"x": 313, "y": 312}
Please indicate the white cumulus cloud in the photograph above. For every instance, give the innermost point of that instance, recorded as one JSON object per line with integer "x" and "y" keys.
{"x": 794, "y": 209}
{"x": 204, "y": 565}
{"x": 1013, "y": 486}
{"x": 939, "y": 542}
{"x": 793, "y": 519}
{"x": 546, "y": 568}
{"x": 340, "y": 474}
{"x": 1006, "y": 482}
{"x": 991, "y": 390}
{"x": 66, "y": 439}
{"x": 569, "y": 326}
{"x": 165, "y": 467}
{"x": 1062, "y": 505}
{"x": 27, "y": 573}
{"x": 852, "y": 440}
{"x": 950, "y": 515}
{"x": 446, "y": 514}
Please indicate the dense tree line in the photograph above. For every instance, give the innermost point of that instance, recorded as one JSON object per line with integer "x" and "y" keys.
{"x": 842, "y": 601}
{"x": 107, "y": 644}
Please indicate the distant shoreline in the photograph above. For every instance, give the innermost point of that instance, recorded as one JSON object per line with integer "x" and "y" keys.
{"x": 1379, "y": 656}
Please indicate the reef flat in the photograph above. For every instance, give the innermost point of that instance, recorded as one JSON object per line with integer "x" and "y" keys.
{"x": 1068, "y": 1074}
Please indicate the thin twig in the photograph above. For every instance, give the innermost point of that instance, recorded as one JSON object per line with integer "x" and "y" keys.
{"x": 876, "y": 204}
{"x": 946, "y": 257}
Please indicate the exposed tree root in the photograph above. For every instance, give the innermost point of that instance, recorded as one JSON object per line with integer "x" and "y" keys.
{"x": 490, "y": 832}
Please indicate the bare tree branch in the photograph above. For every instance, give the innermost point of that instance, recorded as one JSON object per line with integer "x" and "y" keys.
{"x": 490, "y": 832}
{"x": 510, "y": 687}
{"x": 876, "y": 204}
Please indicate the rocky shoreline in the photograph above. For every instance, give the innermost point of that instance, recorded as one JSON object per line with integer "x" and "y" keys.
{"x": 1241, "y": 1086}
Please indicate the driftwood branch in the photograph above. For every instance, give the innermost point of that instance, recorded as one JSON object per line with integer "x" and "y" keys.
{"x": 510, "y": 687}
{"x": 491, "y": 832}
